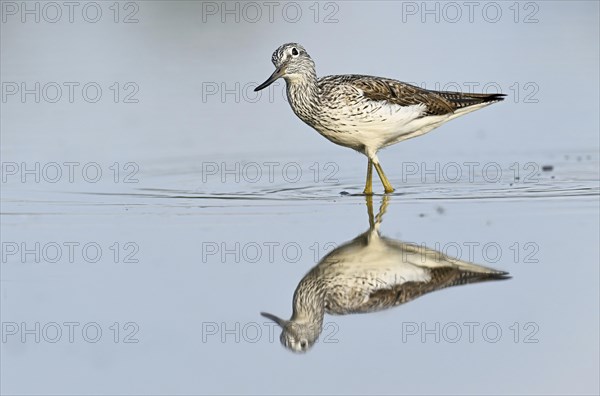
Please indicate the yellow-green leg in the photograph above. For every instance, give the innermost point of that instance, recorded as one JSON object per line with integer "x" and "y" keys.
{"x": 374, "y": 221}
{"x": 387, "y": 186}
{"x": 369, "y": 185}
{"x": 369, "y": 199}
{"x": 382, "y": 209}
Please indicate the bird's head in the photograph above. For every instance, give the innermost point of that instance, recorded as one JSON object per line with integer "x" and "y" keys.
{"x": 292, "y": 62}
{"x": 296, "y": 336}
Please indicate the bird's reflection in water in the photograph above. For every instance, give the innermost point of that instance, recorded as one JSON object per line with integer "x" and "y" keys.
{"x": 368, "y": 274}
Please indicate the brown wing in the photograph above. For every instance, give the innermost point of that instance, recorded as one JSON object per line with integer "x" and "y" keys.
{"x": 440, "y": 279}
{"x": 403, "y": 94}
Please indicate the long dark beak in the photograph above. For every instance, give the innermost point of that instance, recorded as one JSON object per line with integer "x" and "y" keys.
{"x": 279, "y": 321}
{"x": 280, "y": 71}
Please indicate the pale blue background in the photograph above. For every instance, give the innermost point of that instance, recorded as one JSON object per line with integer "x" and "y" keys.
{"x": 173, "y": 54}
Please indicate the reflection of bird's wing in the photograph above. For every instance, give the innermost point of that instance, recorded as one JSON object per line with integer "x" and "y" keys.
{"x": 422, "y": 256}
{"x": 442, "y": 277}
{"x": 384, "y": 273}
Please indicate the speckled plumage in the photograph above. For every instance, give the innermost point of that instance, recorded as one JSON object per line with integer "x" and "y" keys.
{"x": 371, "y": 273}
{"x": 366, "y": 113}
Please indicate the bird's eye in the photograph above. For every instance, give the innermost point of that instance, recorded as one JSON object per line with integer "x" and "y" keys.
{"x": 294, "y": 52}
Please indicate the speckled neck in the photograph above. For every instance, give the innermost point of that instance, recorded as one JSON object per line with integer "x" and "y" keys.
{"x": 304, "y": 97}
{"x": 309, "y": 302}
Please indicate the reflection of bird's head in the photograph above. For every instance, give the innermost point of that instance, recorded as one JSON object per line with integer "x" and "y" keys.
{"x": 295, "y": 336}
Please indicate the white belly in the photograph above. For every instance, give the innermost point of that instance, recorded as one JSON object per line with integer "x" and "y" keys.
{"x": 371, "y": 128}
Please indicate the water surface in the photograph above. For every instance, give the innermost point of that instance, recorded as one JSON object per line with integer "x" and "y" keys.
{"x": 209, "y": 209}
